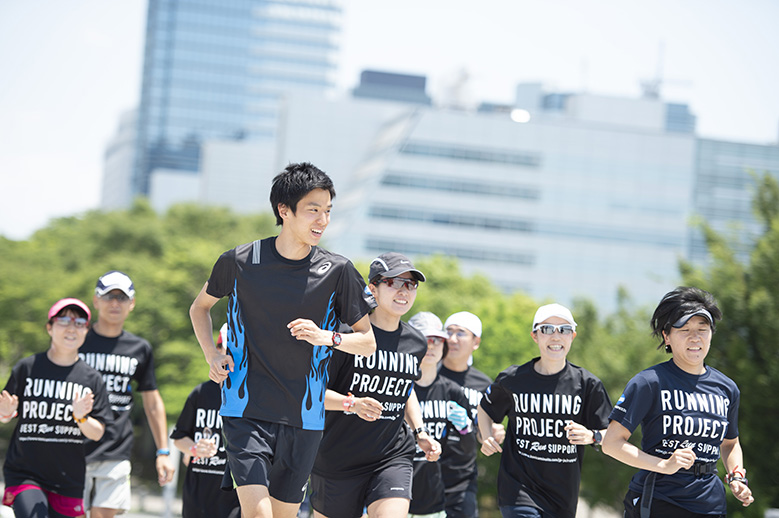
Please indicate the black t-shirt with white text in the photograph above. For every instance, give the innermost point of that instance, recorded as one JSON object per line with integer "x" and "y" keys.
{"x": 352, "y": 446}
{"x": 428, "y": 484}
{"x": 539, "y": 467}
{"x": 203, "y": 496}
{"x": 278, "y": 378}
{"x": 121, "y": 360}
{"x": 458, "y": 457}
{"x": 47, "y": 448}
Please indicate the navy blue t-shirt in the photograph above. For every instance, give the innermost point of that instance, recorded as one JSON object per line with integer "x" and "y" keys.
{"x": 680, "y": 410}
{"x": 278, "y": 378}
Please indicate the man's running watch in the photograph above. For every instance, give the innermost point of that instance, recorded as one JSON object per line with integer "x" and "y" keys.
{"x": 336, "y": 339}
{"x": 597, "y": 438}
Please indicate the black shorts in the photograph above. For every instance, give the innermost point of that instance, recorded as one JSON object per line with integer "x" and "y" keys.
{"x": 348, "y": 497}
{"x": 273, "y": 455}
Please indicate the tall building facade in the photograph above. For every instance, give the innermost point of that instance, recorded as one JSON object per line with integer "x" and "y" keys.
{"x": 724, "y": 190}
{"x": 586, "y": 196}
{"x": 118, "y": 164}
{"x": 217, "y": 70}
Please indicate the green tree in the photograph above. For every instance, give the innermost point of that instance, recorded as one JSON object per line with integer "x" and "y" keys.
{"x": 168, "y": 256}
{"x": 745, "y": 344}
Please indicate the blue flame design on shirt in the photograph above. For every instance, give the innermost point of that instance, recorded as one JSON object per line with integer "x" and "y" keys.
{"x": 312, "y": 408}
{"x": 235, "y": 393}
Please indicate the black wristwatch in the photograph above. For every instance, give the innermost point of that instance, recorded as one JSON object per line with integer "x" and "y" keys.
{"x": 597, "y": 437}
{"x": 336, "y": 339}
{"x": 418, "y": 431}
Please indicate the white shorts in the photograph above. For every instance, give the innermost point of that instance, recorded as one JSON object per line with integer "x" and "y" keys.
{"x": 108, "y": 485}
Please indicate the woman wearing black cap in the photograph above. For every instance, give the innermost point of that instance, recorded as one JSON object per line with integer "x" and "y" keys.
{"x": 688, "y": 412}
{"x": 60, "y": 401}
{"x": 365, "y": 457}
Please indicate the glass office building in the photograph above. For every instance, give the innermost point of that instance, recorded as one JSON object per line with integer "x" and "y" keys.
{"x": 217, "y": 69}
{"x": 724, "y": 190}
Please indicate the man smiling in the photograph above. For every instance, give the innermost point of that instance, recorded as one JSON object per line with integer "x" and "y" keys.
{"x": 287, "y": 297}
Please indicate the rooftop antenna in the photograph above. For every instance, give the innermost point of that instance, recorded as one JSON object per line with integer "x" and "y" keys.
{"x": 651, "y": 87}
{"x": 456, "y": 93}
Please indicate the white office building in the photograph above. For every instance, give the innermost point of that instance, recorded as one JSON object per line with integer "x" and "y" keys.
{"x": 574, "y": 202}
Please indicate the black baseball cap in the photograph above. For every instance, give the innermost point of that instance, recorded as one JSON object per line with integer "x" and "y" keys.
{"x": 392, "y": 264}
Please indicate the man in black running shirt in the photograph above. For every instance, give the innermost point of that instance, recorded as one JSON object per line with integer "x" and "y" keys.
{"x": 287, "y": 297}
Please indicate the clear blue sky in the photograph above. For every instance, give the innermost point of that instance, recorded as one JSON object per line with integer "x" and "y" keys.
{"x": 69, "y": 68}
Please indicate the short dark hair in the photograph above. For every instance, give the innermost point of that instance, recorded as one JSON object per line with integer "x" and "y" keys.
{"x": 294, "y": 183}
{"x": 684, "y": 300}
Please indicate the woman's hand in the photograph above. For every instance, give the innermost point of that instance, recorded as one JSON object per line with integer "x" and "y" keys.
{"x": 430, "y": 446}
{"x": 8, "y": 406}
{"x": 682, "y": 458}
{"x": 82, "y": 406}
{"x": 367, "y": 408}
{"x": 742, "y": 492}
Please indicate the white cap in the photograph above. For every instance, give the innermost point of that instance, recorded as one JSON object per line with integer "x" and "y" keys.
{"x": 553, "y": 310}
{"x": 428, "y": 324}
{"x": 467, "y": 320}
{"x": 115, "y": 280}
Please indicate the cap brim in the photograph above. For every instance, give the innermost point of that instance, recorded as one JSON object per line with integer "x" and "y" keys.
{"x": 685, "y": 318}
{"x": 434, "y": 332}
{"x": 64, "y": 303}
{"x": 400, "y": 271}
{"x": 100, "y": 293}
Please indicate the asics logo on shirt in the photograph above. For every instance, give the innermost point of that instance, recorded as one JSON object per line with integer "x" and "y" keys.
{"x": 323, "y": 269}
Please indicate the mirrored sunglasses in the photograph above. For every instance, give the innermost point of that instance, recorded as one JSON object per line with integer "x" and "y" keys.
{"x": 79, "y": 322}
{"x": 549, "y": 329}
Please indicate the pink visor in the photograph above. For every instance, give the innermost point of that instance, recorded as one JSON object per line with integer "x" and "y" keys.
{"x": 63, "y": 303}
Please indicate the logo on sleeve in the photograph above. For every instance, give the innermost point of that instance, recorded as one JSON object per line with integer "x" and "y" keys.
{"x": 323, "y": 269}
{"x": 619, "y": 406}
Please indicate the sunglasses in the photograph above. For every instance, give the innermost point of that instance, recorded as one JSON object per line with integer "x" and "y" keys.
{"x": 399, "y": 282}
{"x": 549, "y": 329}
{"x": 79, "y": 322}
{"x": 435, "y": 340}
{"x": 459, "y": 334}
{"x": 115, "y": 295}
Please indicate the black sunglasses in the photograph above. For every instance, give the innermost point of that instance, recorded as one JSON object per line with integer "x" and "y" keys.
{"x": 400, "y": 282}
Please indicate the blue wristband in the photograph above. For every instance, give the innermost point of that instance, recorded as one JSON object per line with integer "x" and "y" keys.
{"x": 163, "y": 451}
